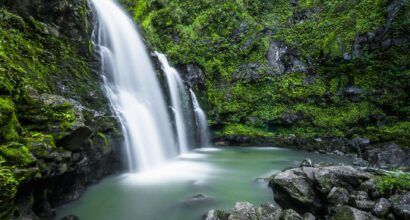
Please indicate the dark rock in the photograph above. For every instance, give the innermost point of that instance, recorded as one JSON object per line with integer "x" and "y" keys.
{"x": 70, "y": 217}
{"x": 290, "y": 214}
{"x": 294, "y": 189}
{"x": 349, "y": 213}
{"x": 268, "y": 212}
{"x": 357, "y": 161}
{"x": 361, "y": 200}
{"x": 275, "y": 53}
{"x": 338, "y": 195}
{"x": 359, "y": 144}
{"x": 74, "y": 141}
{"x": 401, "y": 205}
{"x": 250, "y": 72}
{"x": 382, "y": 207}
{"x": 243, "y": 210}
{"x": 194, "y": 75}
{"x": 309, "y": 216}
{"x": 290, "y": 118}
{"x": 370, "y": 187}
{"x": 216, "y": 215}
{"x": 306, "y": 163}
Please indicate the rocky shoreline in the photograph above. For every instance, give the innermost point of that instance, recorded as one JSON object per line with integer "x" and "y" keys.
{"x": 325, "y": 191}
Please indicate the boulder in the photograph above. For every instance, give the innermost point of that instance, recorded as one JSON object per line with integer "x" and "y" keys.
{"x": 290, "y": 214}
{"x": 338, "y": 196}
{"x": 293, "y": 189}
{"x": 389, "y": 156}
{"x": 243, "y": 211}
{"x": 309, "y": 216}
{"x": 349, "y": 213}
{"x": 306, "y": 163}
{"x": 344, "y": 176}
{"x": 370, "y": 187}
{"x": 216, "y": 215}
{"x": 382, "y": 207}
{"x": 360, "y": 200}
{"x": 401, "y": 205}
{"x": 268, "y": 212}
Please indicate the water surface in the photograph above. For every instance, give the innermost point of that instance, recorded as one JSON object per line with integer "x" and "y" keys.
{"x": 225, "y": 175}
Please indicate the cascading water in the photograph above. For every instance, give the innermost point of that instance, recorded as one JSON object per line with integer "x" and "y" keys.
{"x": 133, "y": 89}
{"x": 179, "y": 100}
{"x": 202, "y": 122}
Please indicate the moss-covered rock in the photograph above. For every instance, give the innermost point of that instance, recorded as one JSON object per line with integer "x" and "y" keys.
{"x": 51, "y": 105}
{"x": 312, "y": 69}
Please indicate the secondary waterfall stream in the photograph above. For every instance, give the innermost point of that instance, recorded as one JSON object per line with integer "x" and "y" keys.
{"x": 135, "y": 92}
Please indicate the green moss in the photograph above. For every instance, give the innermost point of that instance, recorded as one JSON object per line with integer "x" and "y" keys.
{"x": 104, "y": 138}
{"x": 338, "y": 116}
{"x": 16, "y": 154}
{"x": 393, "y": 183}
{"x": 8, "y": 186}
{"x": 243, "y": 130}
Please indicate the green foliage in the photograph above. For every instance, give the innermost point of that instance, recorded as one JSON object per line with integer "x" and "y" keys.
{"x": 243, "y": 130}
{"x": 8, "y": 186}
{"x": 222, "y": 36}
{"x": 394, "y": 182}
{"x": 16, "y": 154}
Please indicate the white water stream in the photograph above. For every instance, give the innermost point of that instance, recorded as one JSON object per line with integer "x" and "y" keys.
{"x": 133, "y": 89}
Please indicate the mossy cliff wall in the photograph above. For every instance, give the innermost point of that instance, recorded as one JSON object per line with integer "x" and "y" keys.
{"x": 57, "y": 131}
{"x": 298, "y": 72}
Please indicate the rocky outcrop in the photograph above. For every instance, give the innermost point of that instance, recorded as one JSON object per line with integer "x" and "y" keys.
{"x": 389, "y": 156}
{"x": 314, "y": 191}
{"x": 335, "y": 191}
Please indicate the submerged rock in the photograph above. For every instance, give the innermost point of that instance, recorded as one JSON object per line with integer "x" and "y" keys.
{"x": 197, "y": 200}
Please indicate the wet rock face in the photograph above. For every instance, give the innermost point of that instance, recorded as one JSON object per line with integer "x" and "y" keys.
{"x": 281, "y": 59}
{"x": 60, "y": 15}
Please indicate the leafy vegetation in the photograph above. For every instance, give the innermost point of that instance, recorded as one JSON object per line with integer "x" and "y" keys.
{"x": 393, "y": 183}
{"x": 345, "y": 45}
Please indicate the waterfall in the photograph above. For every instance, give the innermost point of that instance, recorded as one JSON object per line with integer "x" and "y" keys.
{"x": 133, "y": 89}
{"x": 202, "y": 122}
{"x": 179, "y": 102}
